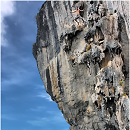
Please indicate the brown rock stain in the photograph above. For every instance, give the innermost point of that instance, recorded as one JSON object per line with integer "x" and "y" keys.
{"x": 84, "y": 94}
{"x": 53, "y": 71}
{"x": 105, "y": 60}
{"x": 66, "y": 76}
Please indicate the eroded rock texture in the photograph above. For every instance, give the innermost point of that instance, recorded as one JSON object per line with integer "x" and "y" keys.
{"x": 85, "y": 68}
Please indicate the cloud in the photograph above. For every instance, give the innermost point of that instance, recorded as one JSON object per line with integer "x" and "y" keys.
{"x": 53, "y": 117}
{"x": 38, "y": 109}
{"x": 45, "y": 96}
{"x": 15, "y": 76}
{"x": 7, "y": 117}
{"x": 38, "y": 121}
{"x": 17, "y": 71}
{"x": 7, "y": 9}
{"x": 40, "y": 87}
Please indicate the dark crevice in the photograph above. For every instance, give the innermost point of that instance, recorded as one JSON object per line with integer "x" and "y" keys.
{"x": 110, "y": 127}
{"x": 110, "y": 105}
{"x": 52, "y": 21}
{"x": 49, "y": 85}
{"x": 68, "y": 38}
{"x": 81, "y": 8}
{"x": 58, "y": 77}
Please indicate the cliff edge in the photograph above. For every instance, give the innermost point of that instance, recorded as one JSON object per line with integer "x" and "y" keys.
{"x": 85, "y": 66}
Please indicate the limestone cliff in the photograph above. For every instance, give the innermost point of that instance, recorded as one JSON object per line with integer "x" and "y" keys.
{"x": 85, "y": 67}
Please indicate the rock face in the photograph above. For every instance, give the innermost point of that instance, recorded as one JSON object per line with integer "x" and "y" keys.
{"x": 85, "y": 67}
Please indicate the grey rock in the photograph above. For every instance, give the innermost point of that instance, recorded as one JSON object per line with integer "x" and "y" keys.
{"x": 85, "y": 68}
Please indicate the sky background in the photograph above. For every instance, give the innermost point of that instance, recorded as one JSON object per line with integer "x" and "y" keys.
{"x": 25, "y": 104}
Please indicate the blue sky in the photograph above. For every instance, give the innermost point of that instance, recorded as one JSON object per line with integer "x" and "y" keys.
{"x": 25, "y": 104}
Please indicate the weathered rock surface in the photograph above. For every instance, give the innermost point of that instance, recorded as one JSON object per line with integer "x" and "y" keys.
{"x": 85, "y": 68}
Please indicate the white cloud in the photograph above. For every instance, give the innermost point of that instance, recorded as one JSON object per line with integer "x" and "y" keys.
{"x": 38, "y": 122}
{"x": 38, "y": 109}
{"x": 7, "y": 117}
{"x": 17, "y": 72}
{"x": 45, "y": 96}
{"x": 53, "y": 117}
{"x": 7, "y": 9}
{"x": 40, "y": 87}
